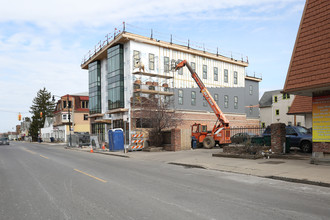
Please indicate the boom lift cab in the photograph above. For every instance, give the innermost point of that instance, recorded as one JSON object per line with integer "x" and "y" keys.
{"x": 220, "y": 133}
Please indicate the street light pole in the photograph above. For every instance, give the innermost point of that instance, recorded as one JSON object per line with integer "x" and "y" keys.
{"x": 67, "y": 98}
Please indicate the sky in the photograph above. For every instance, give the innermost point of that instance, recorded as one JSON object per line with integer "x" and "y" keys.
{"x": 42, "y": 43}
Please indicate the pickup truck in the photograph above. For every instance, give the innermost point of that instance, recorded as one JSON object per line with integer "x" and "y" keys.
{"x": 297, "y": 137}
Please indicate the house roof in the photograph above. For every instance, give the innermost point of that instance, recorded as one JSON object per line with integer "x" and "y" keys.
{"x": 301, "y": 105}
{"x": 267, "y": 98}
{"x": 309, "y": 70}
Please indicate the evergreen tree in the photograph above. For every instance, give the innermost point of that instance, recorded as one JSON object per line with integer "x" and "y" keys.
{"x": 42, "y": 107}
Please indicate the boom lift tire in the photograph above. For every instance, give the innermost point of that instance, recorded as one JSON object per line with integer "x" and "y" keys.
{"x": 208, "y": 142}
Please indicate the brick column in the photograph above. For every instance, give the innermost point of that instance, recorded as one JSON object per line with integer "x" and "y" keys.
{"x": 277, "y": 137}
{"x": 321, "y": 147}
{"x": 175, "y": 139}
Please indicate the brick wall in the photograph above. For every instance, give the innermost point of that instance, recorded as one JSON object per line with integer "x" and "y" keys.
{"x": 189, "y": 118}
{"x": 277, "y": 137}
{"x": 321, "y": 147}
{"x": 175, "y": 139}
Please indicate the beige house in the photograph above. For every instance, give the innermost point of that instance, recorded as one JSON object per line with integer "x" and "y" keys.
{"x": 71, "y": 112}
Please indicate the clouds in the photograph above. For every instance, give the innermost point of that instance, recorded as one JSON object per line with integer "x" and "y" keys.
{"x": 42, "y": 42}
{"x": 69, "y": 13}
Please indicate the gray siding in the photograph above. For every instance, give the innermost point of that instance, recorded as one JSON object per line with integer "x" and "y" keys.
{"x": 244, "y": 99}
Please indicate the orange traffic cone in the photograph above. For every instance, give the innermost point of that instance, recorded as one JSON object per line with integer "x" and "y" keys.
{"x": 92, "y": 150}
{"x": 103, "y": 147}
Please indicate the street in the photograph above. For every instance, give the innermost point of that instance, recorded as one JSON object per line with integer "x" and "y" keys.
{"x": 39, "y": 181}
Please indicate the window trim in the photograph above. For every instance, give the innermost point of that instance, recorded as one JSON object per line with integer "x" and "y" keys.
{"x": 166, "y": 64}
{"x": 204, "y": 71}
{"x": 277, "y": 112}
{"x": 226, "y": 101}
{"x": 235, "y": 102}
{"x": 193, "y": 98}
{"x": 151, "y": 61}
{"x": 225, "y": 75}
{"x": 180, "y": 97}
{"x": 235, "y": 77}
{"x": 216, "y": 73}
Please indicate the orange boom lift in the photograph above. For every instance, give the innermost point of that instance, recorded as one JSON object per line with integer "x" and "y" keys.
{"x": 220, "y": 133}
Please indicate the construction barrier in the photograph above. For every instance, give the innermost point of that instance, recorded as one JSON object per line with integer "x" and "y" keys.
{"x": 137, "y": 142}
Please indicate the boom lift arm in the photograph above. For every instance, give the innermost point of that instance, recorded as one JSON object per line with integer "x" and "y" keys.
{"x": 223, "y": 121}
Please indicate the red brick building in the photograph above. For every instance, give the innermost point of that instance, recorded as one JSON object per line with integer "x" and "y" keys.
{"x": 309, "y": 70}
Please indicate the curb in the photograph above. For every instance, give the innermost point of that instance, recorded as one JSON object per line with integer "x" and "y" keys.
{"x": 285, "y": 179}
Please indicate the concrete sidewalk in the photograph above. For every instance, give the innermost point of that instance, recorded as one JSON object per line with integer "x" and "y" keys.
{"x": 294, "y": 170}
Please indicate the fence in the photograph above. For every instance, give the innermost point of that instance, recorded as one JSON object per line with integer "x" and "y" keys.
{"x": 240, "y": 135}
{"x": 78, "y": 140}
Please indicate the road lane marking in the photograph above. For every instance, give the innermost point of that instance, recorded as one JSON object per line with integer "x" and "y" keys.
{"x": 29, "y": 151}
{"x": 99, "y": 179}
{"x": 43, "y": 156}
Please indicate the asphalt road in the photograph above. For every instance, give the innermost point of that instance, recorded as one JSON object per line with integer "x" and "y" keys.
{"x": 49, "y": 182}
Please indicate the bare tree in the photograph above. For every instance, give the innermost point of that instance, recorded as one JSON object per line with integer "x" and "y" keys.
{"x": 156, "y": 115}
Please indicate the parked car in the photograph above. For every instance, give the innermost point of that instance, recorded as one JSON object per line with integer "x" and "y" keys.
{"x": 4, "y": 140}
{"x": 297, "y": 136}
{"x": 241, "y": 137}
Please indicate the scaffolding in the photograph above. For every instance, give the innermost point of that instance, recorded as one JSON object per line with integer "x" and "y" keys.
{"x": 147, "y": 86}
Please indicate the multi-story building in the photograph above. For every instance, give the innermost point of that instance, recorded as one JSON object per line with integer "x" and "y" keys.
{"x": 130, "y": 65}
{"x": 274, "y": 106}
{"x": 71, "y": 112}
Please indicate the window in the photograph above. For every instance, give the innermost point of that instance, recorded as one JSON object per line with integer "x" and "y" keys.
{"x": 64, "y": 117}
{"x": 235, "y": 77}
{"x": 250, "y": 89}
{"x": 136, "y": 58}
{"x": 204, "y": 71}
{"x": 115, "y": 77}
{"x": 263, "y": 124}
{"x": 204, "y": 102}
{"x": 236, "y": 102}
{"x": 151, "y": 61}
{"x": 193, "y": 66}
{"x": 289, "y": 123}
{"x": 85, "y": 117}
{"x": 275, "y": 99}
{"x": 290, "y": 131}
{"x": 166, "y": 64}
{"x": 277, "y": 112}
{"x": 225, "y": 75}
{"x": 226, "y": 101}
{"x": 84, "y": 104}
{"x": 94, "y": 72}
{"x": 250, "y": 109}
{"x": 216, "y": 98}
{"x": 64, "y": 104}
{"x": 216, "y": 76}
{"x": 193, "y": 98}
{"x": 180, "y": 97}
{"x": 180, "y": 72}
{"x": 286, "y": 96}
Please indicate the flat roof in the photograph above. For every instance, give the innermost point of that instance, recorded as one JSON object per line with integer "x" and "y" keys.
{"x": 123, "y": 37}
